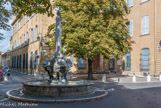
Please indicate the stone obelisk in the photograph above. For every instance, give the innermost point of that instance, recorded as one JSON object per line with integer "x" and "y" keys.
{"x": 58, "y": 44}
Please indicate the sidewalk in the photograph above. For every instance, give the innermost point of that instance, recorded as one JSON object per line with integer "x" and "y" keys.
{"x": 116, "y": 78}
{"x": 111, "y": 77}
{"x": 129, "y": 79}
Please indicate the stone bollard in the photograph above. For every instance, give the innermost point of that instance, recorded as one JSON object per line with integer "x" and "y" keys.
{"x": 5, "y": 78}
{"x": 160, "y": 77}
{"x": 104, "y": 78}
{"x": 148, "y": 78}
{"x": 134, "y": 78}
{"x": 118, "y": 79}
{"x": 35, "y": 74}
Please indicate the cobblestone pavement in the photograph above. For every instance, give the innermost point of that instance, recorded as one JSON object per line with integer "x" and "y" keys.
{"x": 121, "y": 95}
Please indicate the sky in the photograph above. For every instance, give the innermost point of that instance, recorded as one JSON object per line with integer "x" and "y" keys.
{"x": 5, "y": 43}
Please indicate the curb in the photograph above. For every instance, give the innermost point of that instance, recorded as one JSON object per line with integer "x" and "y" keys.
{"x": 8, "y": 95}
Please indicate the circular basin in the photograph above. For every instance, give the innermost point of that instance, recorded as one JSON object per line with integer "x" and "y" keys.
{"x": 57, "y": 89}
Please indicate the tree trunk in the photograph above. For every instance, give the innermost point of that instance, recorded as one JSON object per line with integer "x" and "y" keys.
{"x": 90, "y": 75}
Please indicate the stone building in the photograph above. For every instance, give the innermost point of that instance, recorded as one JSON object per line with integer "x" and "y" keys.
{"x": 5, "y": 59}
{"x": 0, "y": 58}
{"x": 145, "y": 30}
{"x": 28, "y": 50}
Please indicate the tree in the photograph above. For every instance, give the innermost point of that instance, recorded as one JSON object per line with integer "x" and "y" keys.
{"x": 4, "y": 17}
{"x": 91, "y": 28}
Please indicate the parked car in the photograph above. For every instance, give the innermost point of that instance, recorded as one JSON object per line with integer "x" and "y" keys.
{"x": 7, "y": 71}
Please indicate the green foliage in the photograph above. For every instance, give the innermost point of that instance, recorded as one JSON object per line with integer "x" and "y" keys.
{"x": 4, "y": 17}
{"x": 51, "y": 36}
{"x": 28, "y": 7}
{"x": 94, "y": 27}
{"x": 89, "y": 27}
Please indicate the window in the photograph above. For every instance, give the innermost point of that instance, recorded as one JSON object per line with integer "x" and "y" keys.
{"x": 17, "y": 61}
{"x": 24, "y": 19}
{"x": 36, "y": 60}
{"x": 28, "y": 17}
{"x": 112, "y": 64}
{"x": 20, "y": 62}
{"x": 130, "y": 28}
{"x": 29, "y": 36}
{"x": 31, "y": 60}
{"x": 19, "y": 24}
{"x": 12, "y": 62}
{"x": 26, "y": 60}
{"x": 33, "y": 34}
{"x": 25, "y": 37}
{"x": 145, "y": 58}
{"x": 81, "y": 64}
{"x": 144, "y": 0}
{"x": 20, "y": 40}
{"x": 37, "y": 31}
{"x": 145, "y": 25}
{"x": 129, "y": 3}
{"x": 23, "y": 61}
{"x": 128, "y": 61}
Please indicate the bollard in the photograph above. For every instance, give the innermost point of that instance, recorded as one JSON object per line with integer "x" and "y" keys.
{"x": 5, "y": 78}
{"x": 148, "y": 78}
{"x": 104, "y": 78}
{"x": 134, "y": 78}
{"x": 35, "y": 74}
{"x": 118, "y": 79}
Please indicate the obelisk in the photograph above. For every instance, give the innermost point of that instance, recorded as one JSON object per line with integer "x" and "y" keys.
{"x": 58, "y": 43}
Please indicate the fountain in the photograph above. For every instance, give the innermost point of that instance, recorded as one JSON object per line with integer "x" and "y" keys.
{"x": 57, "y": 86}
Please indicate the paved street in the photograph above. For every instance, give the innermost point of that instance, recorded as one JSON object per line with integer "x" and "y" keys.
{"x": 122, "y": 95}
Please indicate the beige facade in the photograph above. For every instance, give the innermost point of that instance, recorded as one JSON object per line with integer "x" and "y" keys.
{"x": 145, "y": 56}
{"x": 146, "y": 32}
{"x": 27, "y": 43}
{"x": 27, "y": 46}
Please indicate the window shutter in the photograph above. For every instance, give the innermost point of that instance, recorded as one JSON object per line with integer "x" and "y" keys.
{"x": 25, "y": 36}
{"x": 33, "y": 34}
{"x": 29, "y": 36}
{"x": 143, "y": 25}
{"x": 24, "y": 19}
{"x": 37, "y": 30}
{"x": 147, "y": 24}
{"x": 131, "y": 28}
{"x": 26, "y": 60}
{"x": 128, "y": 61}
{"x": 131, "y": 2}
{"x": 145, "y": 58}
{"x": 128, "y": 3}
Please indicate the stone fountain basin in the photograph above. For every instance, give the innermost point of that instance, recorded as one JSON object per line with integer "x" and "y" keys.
{"x": 57, "y": 89}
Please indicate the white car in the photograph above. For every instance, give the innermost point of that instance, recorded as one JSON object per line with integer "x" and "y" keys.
{"x": 7, "y": 71}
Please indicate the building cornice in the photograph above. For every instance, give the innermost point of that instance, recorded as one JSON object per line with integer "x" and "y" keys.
{"x": 14, "y": 21}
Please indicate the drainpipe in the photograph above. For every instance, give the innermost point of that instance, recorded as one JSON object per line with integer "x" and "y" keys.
{"x": 155, "y": 53}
